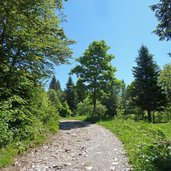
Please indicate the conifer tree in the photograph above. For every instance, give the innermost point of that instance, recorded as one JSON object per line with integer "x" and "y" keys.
{"x": 70, "y": 95}
{"x": 149, "y": 94}
{"x": 54, "y": 84}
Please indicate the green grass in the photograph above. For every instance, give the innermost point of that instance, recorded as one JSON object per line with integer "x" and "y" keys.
{"x": 143, "y": 142}
{"x": 166, "y": 127}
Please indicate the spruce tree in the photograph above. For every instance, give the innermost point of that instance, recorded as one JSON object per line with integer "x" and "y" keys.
{"x": 54, "y": 84}
{"x": 150, "y": 97}
{"x": 70, "y": 95}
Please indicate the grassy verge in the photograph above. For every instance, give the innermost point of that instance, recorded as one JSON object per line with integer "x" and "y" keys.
{"x": 9, "y": 152}
{"x": 146, "y": 144}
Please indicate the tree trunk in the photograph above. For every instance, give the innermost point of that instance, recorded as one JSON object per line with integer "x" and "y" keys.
{"x": 149, "y": 116}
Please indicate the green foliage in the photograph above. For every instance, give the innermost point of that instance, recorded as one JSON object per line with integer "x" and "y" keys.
{"x": 86, "y": 108}
{"x": 70, "y": 94}
{"x": 111, "y": 97}
{"x": 65, "y": 110}
{"x": 81, "y": 92}
{"x": 23, "y": 122}
{"x": 163, "y": 14}
{"x": 165, "y": 81}
{"x": 146, "y": 144}
{"x": 31, "y": 43}
{"x": 55, "y": 84}
{"x": 149, "y": 95}
{"x": 95, "y": 70}
{"x": 53, "y": 97}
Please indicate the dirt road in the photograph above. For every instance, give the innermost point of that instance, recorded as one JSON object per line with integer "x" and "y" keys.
{"x": 79, "y": 146}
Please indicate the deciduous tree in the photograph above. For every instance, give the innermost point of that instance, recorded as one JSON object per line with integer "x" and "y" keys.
{"x": 95, "y": 70}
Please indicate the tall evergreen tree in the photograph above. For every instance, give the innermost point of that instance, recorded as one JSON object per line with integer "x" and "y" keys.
{"x": 70, "y": 94}
{"x": 149, "y": 94}
{"x": 95, "y": 70}
{"x": 54, "y": 84}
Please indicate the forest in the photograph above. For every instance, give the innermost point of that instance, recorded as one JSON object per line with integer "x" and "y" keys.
{"x": 33, "y": 43}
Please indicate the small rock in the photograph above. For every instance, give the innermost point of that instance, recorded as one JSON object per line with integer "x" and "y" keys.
{"x": 45, "y": 147}
{"x": 89, "y": 167}
{"x": 67, "y": 164}
{"x": 57, "y": 167}
{"x": 112, "y": 168}
{"x": 114, "y": 163}
{"x": 67, "y": 150}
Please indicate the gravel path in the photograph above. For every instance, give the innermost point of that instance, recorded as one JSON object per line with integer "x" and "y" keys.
{"x": 79, "y": 146}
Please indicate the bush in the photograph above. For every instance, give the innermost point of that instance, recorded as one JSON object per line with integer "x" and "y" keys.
{"x": 22, "y": 120}
{"x": 65, "y": 110}
{"x": 86, "y": 108}
{"x": 153, "y": 153}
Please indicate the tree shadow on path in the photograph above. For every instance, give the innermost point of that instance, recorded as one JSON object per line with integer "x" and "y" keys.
{"x": 68, "y": 125}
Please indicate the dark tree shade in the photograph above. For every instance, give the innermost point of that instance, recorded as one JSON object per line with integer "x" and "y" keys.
{"x": 80, "y": 91}
{"x": 149, "y": 93}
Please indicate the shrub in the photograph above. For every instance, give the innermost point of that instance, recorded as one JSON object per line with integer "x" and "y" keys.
{"x": 152, "y": 153}
{"x": 65, "y": 110}
{"x": 84, "y": 108}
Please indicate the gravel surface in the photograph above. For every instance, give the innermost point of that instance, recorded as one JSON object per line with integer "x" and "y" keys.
{"x": 79, "y": 146}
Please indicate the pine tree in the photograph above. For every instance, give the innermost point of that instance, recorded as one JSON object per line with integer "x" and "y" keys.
{"x": 149, "y": 94}
{"x": 70, "y": 94}
{"x": 54, "y": 84}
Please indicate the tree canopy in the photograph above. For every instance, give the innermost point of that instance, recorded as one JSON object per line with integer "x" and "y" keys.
{"x": 163, "y": 14}
{"x": 95, "y": 70}
{"x": 31, "y": 42}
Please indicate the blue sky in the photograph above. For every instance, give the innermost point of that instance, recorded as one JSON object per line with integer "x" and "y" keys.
{"x": 124, "y": 24}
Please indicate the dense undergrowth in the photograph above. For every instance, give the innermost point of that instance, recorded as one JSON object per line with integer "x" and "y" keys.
{"x": 25, "y": 124}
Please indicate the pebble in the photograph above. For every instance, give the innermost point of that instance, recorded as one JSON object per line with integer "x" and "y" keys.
{"x": 89, "y": 168}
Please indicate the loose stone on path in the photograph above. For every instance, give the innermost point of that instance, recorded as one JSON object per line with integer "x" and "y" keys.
{"x": 79, "y": 146}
